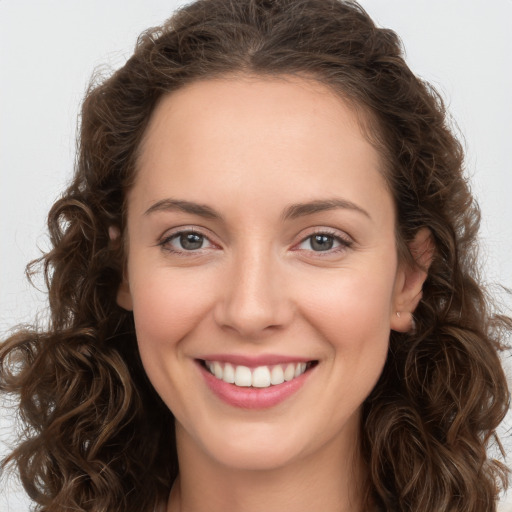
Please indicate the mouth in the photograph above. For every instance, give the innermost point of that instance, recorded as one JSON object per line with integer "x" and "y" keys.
{"x": 263, "y": 376}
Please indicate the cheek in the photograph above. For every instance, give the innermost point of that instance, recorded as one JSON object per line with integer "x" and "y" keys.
{"x": 167, "y": 305}
{"x": 355, "y": 321}
{"x": 167, "y": 308}
{"x": 352, "y": 311}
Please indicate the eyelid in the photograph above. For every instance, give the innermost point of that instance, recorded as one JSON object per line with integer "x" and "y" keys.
{"x": 169, "y": 234}
{"x": 344, "y": 239}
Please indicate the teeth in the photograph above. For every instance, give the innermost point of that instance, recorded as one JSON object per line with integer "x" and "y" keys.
{"x": 229, "y": 374}
{"x": 260, "y": 377}
{"x": 217, "y": 370}
{"x": 243, "y": 376}
{"x": 289, "y": 373}
{"x": 276, "y": 375}
{"x": 300, "y": 369}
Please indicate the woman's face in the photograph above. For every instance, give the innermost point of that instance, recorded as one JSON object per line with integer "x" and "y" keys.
{"x": 261, "y": 244}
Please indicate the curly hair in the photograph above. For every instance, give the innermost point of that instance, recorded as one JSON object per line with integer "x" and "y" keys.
{"x": 99, "y": 438}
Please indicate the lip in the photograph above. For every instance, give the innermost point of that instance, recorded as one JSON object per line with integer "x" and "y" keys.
{"x": 254, "y": 361}
{"x": 248, "y": 397}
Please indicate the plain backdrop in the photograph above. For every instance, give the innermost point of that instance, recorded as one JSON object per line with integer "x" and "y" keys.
{"x": 49, "y": 48}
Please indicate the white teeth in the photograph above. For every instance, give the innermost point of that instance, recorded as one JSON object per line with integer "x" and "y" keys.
{"x": 300, "y": 369}
{"x": 229, "y": 374}
{"x": 243, "y": 376}
{"x": 277, "y": 375}
{"x": 260, "y": 377}
{"x": 217, "y": 370}
{"x": 289, "y": 373}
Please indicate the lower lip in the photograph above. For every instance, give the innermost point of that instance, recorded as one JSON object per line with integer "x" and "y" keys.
{"x": 253, "y": 398}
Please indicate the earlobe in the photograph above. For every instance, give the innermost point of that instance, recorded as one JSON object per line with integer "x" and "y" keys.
{"x": 410, "y": 279}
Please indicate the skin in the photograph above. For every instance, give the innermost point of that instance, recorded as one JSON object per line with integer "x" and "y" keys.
{"x": 249, "y": 148}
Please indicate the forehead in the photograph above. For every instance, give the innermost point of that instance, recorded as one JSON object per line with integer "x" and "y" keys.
{"x": 301, "y": 99}
{"x": 266, "y": 135}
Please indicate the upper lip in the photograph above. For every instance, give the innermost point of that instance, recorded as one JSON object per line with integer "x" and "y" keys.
{"x": 255, "y": 361}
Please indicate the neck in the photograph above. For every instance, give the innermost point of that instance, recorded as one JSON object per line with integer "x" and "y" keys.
{"x": 330, "y": 481}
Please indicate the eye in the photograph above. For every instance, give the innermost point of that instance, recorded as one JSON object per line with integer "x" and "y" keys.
{"x": 324, "y": 242}
{"x": 186, "y": 241}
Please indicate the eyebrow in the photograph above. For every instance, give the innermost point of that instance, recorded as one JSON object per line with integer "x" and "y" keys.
{"x": 303, "y": 209}
{"x": 183, "y": 206}
{"x": 293, "y": 211}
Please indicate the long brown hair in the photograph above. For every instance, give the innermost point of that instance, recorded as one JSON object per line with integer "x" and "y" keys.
{"x": 98, "y": 437}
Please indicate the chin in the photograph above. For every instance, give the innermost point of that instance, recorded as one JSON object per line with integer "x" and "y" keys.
{"x": 254, "y": 448}
{"x": 254, "y": 458}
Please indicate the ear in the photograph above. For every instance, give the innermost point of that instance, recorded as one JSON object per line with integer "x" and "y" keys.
{"x": 409, "y": 281}
{"x": 124, "y": 296}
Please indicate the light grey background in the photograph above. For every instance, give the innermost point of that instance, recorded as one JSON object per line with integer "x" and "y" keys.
{"x": 49, "y": 48}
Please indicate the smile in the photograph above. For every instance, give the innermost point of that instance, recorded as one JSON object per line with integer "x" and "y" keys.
{"x": 249, "y": 383}
{"x": 259, "y": 377}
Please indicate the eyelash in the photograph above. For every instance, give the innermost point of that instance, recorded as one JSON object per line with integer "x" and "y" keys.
{"x": 166, "y": 241}
{"x": 344, "y": 242}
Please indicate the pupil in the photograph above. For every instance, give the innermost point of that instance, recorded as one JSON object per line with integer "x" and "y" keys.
{"x": 322, "y": 242}
{"x": 191, "y": 241}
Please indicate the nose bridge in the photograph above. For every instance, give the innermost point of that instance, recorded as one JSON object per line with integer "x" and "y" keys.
{"x": 255, "y": 298}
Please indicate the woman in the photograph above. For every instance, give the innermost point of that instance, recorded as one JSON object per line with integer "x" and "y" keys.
{"x": 262, "y": 283}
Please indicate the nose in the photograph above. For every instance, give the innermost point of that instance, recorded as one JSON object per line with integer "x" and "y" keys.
{"x": 254, "y": 299}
